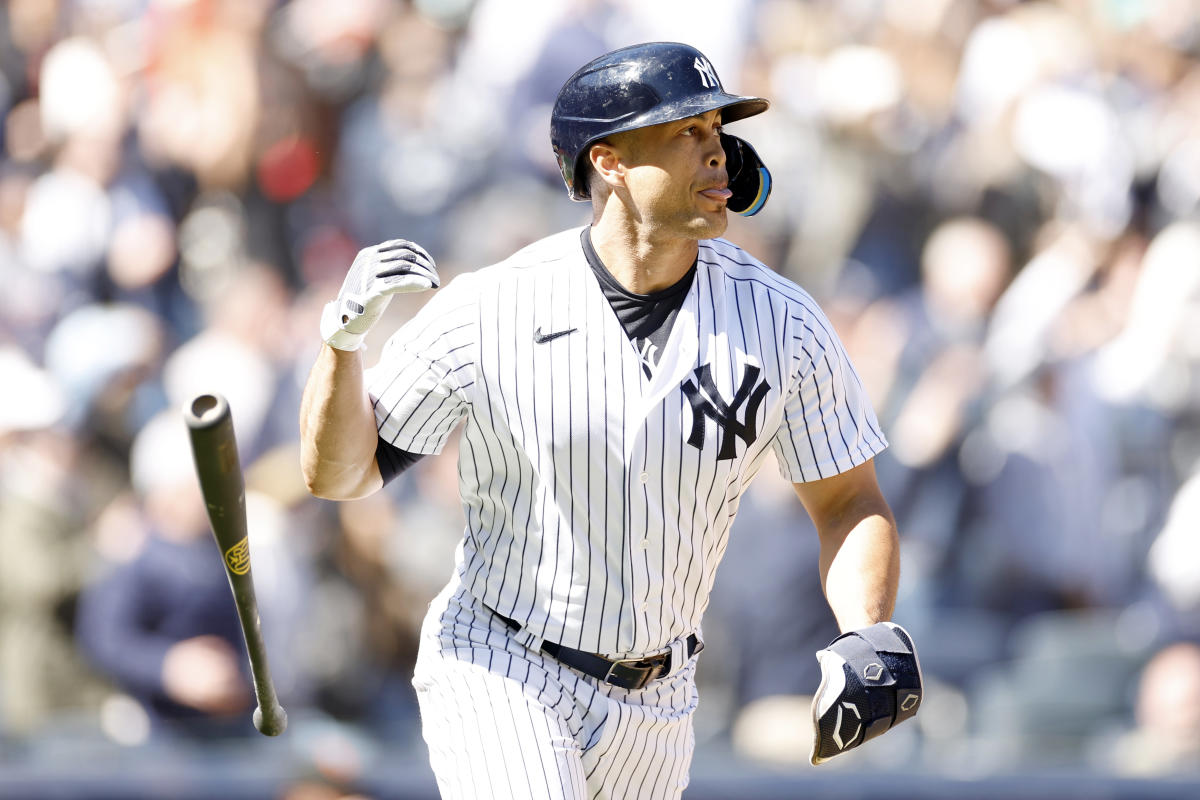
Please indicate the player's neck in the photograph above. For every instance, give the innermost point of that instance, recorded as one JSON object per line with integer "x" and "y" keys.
{"x": 640, "y": 263}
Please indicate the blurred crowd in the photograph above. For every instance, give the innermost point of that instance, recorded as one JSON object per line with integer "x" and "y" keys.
{"x": 997, "y": 203}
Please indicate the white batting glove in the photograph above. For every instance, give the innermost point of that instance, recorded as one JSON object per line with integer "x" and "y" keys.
{"x": 378, "y": 272}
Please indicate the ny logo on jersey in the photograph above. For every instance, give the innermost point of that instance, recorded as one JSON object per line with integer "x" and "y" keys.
{"x": 708, "y": 75}
{"x": 707, "y": 403}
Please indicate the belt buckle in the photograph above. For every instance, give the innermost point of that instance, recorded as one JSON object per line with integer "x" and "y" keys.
{"x": 652, "y": 665}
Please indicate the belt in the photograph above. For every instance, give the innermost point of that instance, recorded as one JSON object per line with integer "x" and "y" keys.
{"x": 630, "y": 673}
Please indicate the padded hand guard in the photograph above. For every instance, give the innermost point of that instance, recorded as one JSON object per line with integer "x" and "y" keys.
{"x": 870, "y": 682}
{"x": 749, "y": 179}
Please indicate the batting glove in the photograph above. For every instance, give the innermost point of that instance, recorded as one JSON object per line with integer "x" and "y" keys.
{"x": 378, "y": 272}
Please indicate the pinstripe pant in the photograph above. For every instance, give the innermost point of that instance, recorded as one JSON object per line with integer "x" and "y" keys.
{"x": 504, "y": 721}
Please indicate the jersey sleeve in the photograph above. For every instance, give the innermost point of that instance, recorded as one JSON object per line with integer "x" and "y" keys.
{"x": 419, "y": 388}
{"x": 828, "y": 423}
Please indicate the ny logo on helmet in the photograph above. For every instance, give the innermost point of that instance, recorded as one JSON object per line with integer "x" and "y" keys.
{"x": 708, "y": 75}
{"x": 707, "y": 403}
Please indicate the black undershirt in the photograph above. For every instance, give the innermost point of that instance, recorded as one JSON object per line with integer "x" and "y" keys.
{"x": 646, "y": 318}
{"x": 392, "y": 460}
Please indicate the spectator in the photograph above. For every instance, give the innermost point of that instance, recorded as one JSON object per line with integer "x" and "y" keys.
{"x": 162, "y": 625}
{"x": 1166, "y": 737}
{"x": 44, "y": 506}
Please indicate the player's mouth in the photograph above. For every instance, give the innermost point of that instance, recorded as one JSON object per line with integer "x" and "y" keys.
{"x": 719, "y": 194}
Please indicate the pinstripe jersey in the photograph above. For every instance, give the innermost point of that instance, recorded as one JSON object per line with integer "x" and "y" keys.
{"x": 598, "y": 499}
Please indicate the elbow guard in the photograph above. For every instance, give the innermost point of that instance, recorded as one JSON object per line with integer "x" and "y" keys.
{"x": 870, "y": 682}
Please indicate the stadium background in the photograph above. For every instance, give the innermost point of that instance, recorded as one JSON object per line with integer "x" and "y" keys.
{"x": 997, "y": 202}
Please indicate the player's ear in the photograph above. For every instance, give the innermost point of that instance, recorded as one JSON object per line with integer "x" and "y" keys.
{"x": 607, "y": 165}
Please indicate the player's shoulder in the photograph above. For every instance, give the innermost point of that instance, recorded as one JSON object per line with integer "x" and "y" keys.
{"x": 725, "y": 260}
{"x": 740, "y": 271}
{"x": 548, "y": 251}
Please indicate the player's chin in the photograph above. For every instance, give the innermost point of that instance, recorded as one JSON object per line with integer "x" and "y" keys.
{"x": 710, "y": 224}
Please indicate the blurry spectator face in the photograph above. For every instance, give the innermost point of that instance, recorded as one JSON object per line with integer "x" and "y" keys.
{"x": 80, "y": 92}
{"x": 142, "y": 249}
{"x": 415, "y": 49}
{"x": 32, "y": 22}
{"x": 100, "y": 352}
{"x": 13, "y": 189}
{"x": 1169, "y": 697}
{"x": 965, "y": 266}
{"x": 1150, "y": 356}
{"x": 252, "y": 307}
{"x": 338, "y": 31}
{"x": 40, "y": 402}
{"x": 163, "y": 475}
{"x": 202, "y": 105}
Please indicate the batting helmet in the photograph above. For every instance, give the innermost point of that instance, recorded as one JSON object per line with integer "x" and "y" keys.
{"x": 637, "y": 86}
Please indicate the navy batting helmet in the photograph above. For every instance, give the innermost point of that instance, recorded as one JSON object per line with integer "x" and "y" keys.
{"x": 637, "y": 86}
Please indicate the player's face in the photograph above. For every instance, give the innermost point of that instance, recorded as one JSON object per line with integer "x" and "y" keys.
{"x": 676, "y": 176}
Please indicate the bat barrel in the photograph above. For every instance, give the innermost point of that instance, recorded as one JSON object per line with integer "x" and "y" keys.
{"x": 214, "y": 447}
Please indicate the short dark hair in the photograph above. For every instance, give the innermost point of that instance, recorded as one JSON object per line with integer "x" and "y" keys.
{"x": 587, "y": 176}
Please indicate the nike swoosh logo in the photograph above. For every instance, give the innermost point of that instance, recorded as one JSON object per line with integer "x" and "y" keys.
{"x": 542, "y": 338}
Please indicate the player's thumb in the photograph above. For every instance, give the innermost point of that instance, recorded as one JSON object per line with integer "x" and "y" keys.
{"x": 411, "y": 280}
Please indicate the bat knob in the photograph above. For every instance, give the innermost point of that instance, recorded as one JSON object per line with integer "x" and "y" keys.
{"x": 271, "y": 724}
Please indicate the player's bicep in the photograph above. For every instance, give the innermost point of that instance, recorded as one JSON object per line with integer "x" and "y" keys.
{"x": 830, "y": 502}
{"x": 421, "y": 388}
{"x": 418, "y": 408}
{"x": 828, "y": 425}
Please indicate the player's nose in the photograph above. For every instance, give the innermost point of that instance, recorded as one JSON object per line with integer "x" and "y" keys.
{"x": 714, "y": 153}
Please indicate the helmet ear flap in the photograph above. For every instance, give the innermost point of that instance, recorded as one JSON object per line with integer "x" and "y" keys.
{"x": 749, "y": 178}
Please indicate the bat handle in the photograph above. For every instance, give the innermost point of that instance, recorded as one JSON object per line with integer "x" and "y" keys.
{"x": 269, "y": 717}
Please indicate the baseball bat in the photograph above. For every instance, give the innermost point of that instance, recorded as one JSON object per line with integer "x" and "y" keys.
{"x": 214, "y": 448}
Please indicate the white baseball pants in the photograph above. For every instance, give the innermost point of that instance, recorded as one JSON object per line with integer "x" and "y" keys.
{"x": 505, "y": 721}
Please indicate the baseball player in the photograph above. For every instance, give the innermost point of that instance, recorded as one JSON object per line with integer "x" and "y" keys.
{"x": 619, "y": 385}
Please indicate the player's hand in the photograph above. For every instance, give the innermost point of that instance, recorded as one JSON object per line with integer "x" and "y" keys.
{"x": 870, "y": 682}
{"x": 378, "y": 272}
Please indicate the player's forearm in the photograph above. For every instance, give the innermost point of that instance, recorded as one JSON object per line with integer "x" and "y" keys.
{"x": 860, "y": 566}
{"x": 337, "y": 429}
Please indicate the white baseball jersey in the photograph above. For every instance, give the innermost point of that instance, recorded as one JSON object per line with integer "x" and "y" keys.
{"x": 598, "y": 498}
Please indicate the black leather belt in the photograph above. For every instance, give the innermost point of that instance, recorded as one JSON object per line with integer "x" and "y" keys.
{"x": 631, "y": 674}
